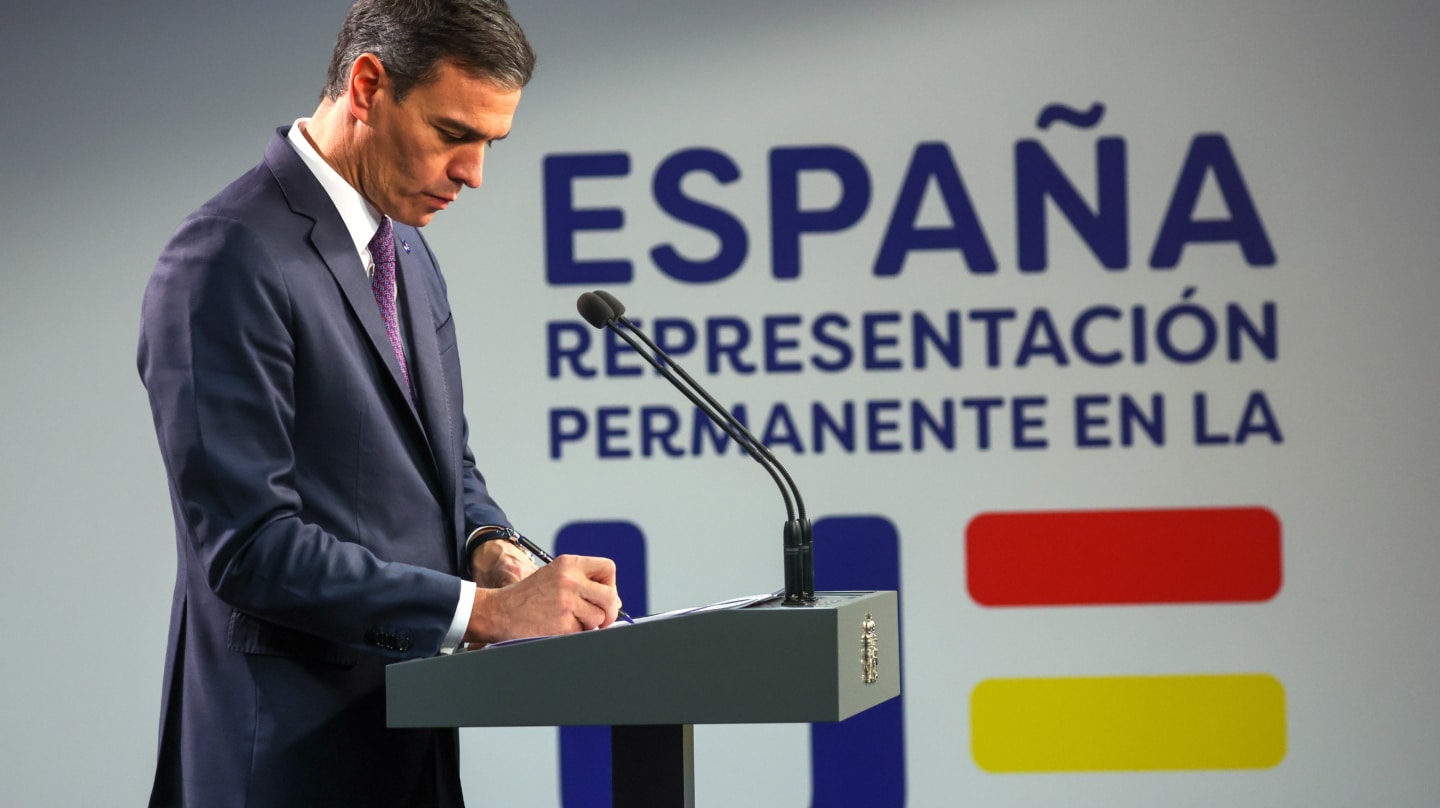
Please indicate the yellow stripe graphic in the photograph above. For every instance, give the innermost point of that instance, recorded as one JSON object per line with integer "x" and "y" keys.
{"x": 1128, "y": 723}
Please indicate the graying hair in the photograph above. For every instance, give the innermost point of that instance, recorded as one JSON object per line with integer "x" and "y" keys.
{"x": 411, "y": 38}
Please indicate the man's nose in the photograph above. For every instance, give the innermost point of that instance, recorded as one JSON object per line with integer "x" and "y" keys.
{"x": 469, "y": 168}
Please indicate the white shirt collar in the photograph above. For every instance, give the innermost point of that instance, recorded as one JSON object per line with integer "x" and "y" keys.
{"x": 360, "y": 217}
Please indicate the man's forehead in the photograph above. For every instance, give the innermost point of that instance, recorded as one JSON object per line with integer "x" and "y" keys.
{"x": 466, "y": 96}
{"x": 451, "y": 77}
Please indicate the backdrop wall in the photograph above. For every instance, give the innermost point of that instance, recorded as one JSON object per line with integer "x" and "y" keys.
{"x": 953, "y": 259}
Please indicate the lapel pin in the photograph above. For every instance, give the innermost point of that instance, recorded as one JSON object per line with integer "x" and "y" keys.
{"x": 406, "y": 245}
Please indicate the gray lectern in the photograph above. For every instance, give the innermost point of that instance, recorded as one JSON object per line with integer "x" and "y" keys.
{"x": 653, "y": 681}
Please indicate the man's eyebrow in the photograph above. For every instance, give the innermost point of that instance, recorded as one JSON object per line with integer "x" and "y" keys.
{"x": 465, "y": 131}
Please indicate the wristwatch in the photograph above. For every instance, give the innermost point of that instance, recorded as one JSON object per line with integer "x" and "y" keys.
{"x": 492, "y": 532}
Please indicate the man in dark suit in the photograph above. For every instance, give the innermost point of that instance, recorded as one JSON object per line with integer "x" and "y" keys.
{"x": 299, "y": 354}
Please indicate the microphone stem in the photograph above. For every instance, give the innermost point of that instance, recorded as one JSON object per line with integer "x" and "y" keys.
{"x": 761, "y": 447}
{"x": 742, "y": 438}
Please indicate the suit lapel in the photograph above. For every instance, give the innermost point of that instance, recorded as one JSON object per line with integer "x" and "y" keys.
{"x": 426, "y": 373}
{"x": 335, "y": 247}
{"x": 339, "y": 253}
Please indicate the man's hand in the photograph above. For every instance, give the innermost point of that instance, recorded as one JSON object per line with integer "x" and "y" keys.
{"x": 498, "y": 563}
{"x": 570, "y": 594}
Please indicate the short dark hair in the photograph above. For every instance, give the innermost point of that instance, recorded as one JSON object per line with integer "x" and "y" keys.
{"x": 412, "y": 37}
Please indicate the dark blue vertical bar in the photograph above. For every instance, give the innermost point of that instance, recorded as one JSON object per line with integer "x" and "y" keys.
{"x": 860, "y": 762}
{"x": 585, "y": 751}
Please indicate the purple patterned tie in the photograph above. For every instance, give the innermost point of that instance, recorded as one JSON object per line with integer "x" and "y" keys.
{"x": 382, "y": 248}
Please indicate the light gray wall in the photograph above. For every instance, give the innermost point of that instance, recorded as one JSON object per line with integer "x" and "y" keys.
{"x": 120, "y": 118}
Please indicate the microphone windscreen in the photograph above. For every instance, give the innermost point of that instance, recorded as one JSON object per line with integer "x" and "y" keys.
{"x": 595, "y": 310}
{"x": 615, "y": 305}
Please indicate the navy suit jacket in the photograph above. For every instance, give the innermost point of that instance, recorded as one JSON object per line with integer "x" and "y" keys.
{"x": 320, "y": 513}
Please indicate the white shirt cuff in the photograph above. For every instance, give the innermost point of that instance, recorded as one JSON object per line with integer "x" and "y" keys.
{"x": 456, "y": 634}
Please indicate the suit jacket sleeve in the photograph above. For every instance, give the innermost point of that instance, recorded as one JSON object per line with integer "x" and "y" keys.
{"x": 480, "y": 507}
{"x": 218, "y": 355}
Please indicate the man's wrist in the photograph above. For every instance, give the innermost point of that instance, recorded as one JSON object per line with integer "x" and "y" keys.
{"x": 483, "y": 626}
{"x": 482, "y": 534}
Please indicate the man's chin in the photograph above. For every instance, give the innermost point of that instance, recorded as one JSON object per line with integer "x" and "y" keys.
{"x": 415, "y": 219}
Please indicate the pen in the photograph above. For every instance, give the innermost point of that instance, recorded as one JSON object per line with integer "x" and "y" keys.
{"x": 539, "y": 553}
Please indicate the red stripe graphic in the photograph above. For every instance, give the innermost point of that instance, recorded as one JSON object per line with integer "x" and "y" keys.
{"x": 1189, "y": 555}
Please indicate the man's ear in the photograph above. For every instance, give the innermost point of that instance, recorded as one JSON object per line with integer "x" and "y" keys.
{"x": 367, "y": 82}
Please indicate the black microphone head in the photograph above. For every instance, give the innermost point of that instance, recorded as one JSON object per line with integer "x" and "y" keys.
{"x": 595, "y": 310}
{"x": 614, "y": 302}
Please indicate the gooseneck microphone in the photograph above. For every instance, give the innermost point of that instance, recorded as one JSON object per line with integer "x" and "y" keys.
{"x": 603, "y": 310}
{"x": 731, "y": 424}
